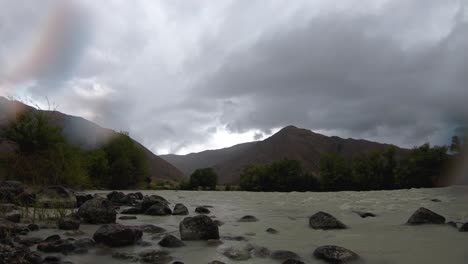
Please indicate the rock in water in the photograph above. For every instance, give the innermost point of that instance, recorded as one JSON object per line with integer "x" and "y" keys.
{"x": 116, "y": 235}
{"x": 248, "y": 218}
{"x": 464, "y": 228}
{"x": 82, "y": 198}
{"x": 132, "y": 211}
{"x": 159, "y": 208}
{"x": 68, "y": 223}
{"x": 325, "y": 221}
{"x": 56, "y": 197}
{"x": 150, "y": 200}
{"x": 283, "y": 255}
{"x": 293, "y": 261}
{"x": 364, "y": 214}
{"x": 155, "y": 256}
{"x": 180, "y": 209}
{"x": 425, "y": 216}
{"x": 202, "y": 210}
{"x": 335, "y": 254}
{"x": 200, "y": 227}
{"x": 98, "y": 211}
{"x": 171, "y": 241}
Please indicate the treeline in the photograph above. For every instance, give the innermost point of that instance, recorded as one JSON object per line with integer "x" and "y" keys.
{"x": 423, "y": 166}
{"x": 204, "y": 179}
{"x": 43, "y": 156}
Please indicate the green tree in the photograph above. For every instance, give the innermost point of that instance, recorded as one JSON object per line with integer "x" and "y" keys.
{"x": 205, "y": 178}
{"x": 335, "y": 174}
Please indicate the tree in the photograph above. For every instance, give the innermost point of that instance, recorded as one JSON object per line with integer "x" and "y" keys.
{"x": 335, "y": 174}
{"x": 205, "y": 178}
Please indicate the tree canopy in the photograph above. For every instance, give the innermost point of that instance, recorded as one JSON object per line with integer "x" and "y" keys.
{"x": 205, "y": 178}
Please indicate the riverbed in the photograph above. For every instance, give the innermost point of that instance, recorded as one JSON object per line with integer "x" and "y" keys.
{"x": 383, "y": 239}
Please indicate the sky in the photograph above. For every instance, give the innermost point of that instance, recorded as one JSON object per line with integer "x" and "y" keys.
{"x": 187, "y": 75}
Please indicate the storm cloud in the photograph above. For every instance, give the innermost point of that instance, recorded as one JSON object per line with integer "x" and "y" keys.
{"x": 182, "y": 76}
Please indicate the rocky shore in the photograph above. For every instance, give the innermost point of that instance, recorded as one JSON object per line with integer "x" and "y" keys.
{"x": 65, "y": 210}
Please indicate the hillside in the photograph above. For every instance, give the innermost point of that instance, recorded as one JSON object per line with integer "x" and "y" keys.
{"x": 87, "y": 135}
{"x": 290, "y": 142}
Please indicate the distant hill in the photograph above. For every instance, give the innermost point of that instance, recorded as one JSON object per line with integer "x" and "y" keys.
{"x": 87, "y": 135}
{"x": 290, "y": 142}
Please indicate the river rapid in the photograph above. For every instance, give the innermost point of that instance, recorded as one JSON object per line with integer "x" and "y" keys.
{"x": 384, "y": 239}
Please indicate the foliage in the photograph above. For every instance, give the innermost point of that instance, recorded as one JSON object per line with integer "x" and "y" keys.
{"x": 205, "y": 178}
{"x": 284, "y": 176}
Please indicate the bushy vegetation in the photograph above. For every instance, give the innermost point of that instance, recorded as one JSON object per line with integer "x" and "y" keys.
{"x": 205, "y": 178}
{"x": 43, "y": 156}
{"x": 285, "y": 175}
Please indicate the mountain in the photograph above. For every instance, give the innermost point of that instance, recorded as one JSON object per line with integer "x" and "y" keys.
{"x": 87, "y": 135}
{"x": 290, "y": 142}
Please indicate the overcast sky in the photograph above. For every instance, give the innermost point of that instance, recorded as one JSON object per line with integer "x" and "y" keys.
{"x": 185, "y": 76}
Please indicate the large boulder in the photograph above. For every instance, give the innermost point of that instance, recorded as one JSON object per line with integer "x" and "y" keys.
{"x": 55, "y": 244}
{"x": 82, "y": 198}
{"x": 149, "y": 201}
{"x": 171, "y": 241}
{"x": 180, "y": 209}
{"x": 118, "y": 198}
{"x": 325, "y": 221}
{"x": 97, "y": 211}
{"x": 68, "y": 223}
{"x": 56, "y": 197}
{"x": 202, "y": 210}
{"x": 283, "y": 255}
{"x": 131, "y": 211}
{"x": 335, "y": 254}
{"x": 200, "y": 227}
{"x": 116, "y": 235}
{"x": 425, "y": 216}
{"x": 159, "y": 208}
{"x": 464, "y": 228}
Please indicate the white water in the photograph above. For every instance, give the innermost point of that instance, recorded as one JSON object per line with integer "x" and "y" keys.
{"x": 381, "y": 240}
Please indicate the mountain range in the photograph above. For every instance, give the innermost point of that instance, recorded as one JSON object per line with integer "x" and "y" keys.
{"x": 86, "y": 135}
{"x": 289, "y": 143}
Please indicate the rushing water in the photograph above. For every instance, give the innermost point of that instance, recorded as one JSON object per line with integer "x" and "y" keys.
{"x": 381, "y": 240}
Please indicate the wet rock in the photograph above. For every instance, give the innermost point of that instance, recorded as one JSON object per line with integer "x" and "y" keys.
{"x": 151, "y": 229}
{"x": 142, "y": 243}
{"x": 364, "y": 214}
{"x": 74, "y": 233}
{"x": 293, "y": 261}
{"x": 435, "y": 200}
{"x": 283, "y": 255}
{"x": 149, "y": 201}
{"x": 213, "y": 242}
{"x": 33, "y": 257}
{"x": 452, "y": 224}
{"x": 180, "y": 209}
{"x": 13, "y": 217}
{"x": 130, "y": 257}
{"x": 116, "y": 235}
{"x": 54, "y": 260}
{"x": 335, "y": 254}
{"x": 325, "y": 221}
{"x": 127, "y": 218}
{"x": 200, "y": 227}
{"x": 234, "y": 238}
{"x": 12, "y": 254}
{"x": 248, "y": 218}
{"x": 132, "y": 211}
{"x": 7, "y": 197}
{"x": 26, "y": 198}
{"x": 8, "y": 229}
{"x": 159, "y": 209}
{"x": 155, "y": 256}
{"x": 272, "y": 231}
{"x": 171, "y": 241}
{"x": 237, "y": 254}
{"x": 33, "y": 227}
{"x": 202, "y": 210}
{"x": 464, "y": 228}
{"x": 218, "y": 222}
{"x": 85, "y": 243}
{"x": 14, "y": 187}
{"x": 56, "y": 197}
{"x": 97, "y": 211}
{"x": 135, "y": 196}
{"x": 55, "y": 244}
{"x": 259, "y": 252}
{"x": 28, "y": 241}
{"x": 216, "y": 262}
{"x": 425, "y": 216}
{"x": 118, "y": 198}
{"x": 82, "y": 198}
{"x": 68, "y": 223}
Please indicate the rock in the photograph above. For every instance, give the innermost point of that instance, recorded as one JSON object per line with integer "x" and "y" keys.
{"x": 364, "y": 214}
{"x": 8, "y": 229}
{"x": 142, "y": 243}
{"x": 118, "y": 198}
{"x": 56, "y": 197}
{"x": 200, "y": 227}
{"x": 82, "y": 198}
{"x": 180, "y": 209}
{"x": 68, "y": 223}
{"x": 155, "y": 256}
{"x": 452, "y": 224}
{"x": 97, "y": 211}
{"x": 116, "y": 235}
{"x": 14, "y": 187}
{"x": 213, "y": 242}
{"x": 425, "y": 216}
{"x": 135, "y": 196}
{"x": 216, "y": 262}
{"x": 234, "y": 238}
{"x": 218, "y": 222}
{"x": 272, "y": 231}
{"x": 33, "y": 227}
{"x": 55, "y": 244}
{"x": 28, "y": 241}
{"x": 464, "y": 228}
{"x": 259, "y": 252}
{"x": 335, "y": 254}
{"x": 325, "y": 221}
{"x": 85, "y": 243}
{"x": 13, "y": 254}
{"x": 26, "y": 198}
{"x": 33, "y": 257}
{"x": 248, "y": 218}
{"x": 202, "y": 210}
{"x": 126, "y": 256}
{"x": 132, "y": 211}
{"x": 237, "y": 254}
{"x": 159, "y": 209}
{"x": 293, "y": 261}
{"x": 127, "y": 218}
{"x": 151, "y": 229}
{"x": 171, "y": 241}
{"x": 13, "y": 217}
{"x": 74, "y": 233}
{"x": 435, "y": 200}
{"x": 283, "y": 255}
{"x": 149, "y": 201}
{"x": 7, "y": 208}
